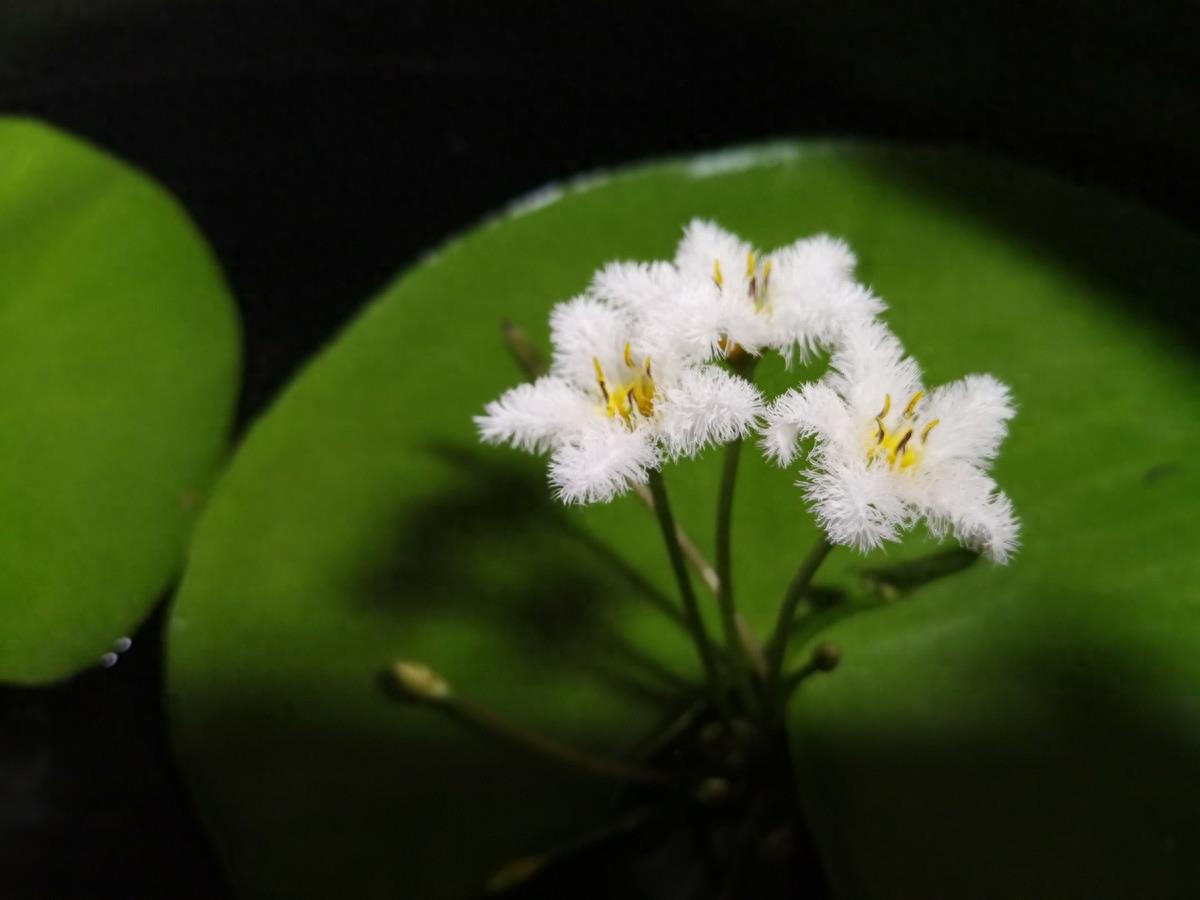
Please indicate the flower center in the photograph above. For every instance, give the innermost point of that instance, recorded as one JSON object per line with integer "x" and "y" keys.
{"x": 632, "y": 395}
{"x": 758, "y": 279}
{"x": 900, "y": 446}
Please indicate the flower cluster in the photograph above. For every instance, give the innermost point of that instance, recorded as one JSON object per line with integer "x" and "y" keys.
{"x": 645, "y": 369}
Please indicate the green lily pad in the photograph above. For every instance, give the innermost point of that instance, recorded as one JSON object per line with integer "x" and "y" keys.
{"x": 119, "y": 372}
{"x": 361, "y": 522}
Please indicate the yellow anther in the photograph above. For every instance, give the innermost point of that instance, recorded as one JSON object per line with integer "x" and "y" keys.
{"x": 600, "y": 378}
{"x": 752, "y": 274}
{"x": 630, "y": 394}
{"x": 899, "y": 451}
{"x": 420, "y": 683}
{"x": 618, "y": 405}
{"x": 645, "y": 399}
{"x": 766, "y": 272}
{"x": 717, "y": 276}
{"x": 897, "y": 446}
{"x": 911, "y": 409}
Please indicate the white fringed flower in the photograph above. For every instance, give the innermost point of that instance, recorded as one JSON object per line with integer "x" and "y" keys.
{"x": 618, "y": 401}
{"x": 796, "y": 300}
{"x": 886, "y": 455}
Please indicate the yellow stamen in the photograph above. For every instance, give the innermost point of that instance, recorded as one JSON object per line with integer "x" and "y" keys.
{"x": 619, "y": 406}
{"x": 898, "y": 446}
{"x": 751, "y": 264}
{"x": 600, "y": 378}
{"x": 893, "y": 446}
{"x": 732, "y": 352}
{"x": 766, "y": 274}
{"x": 717, "y": 277}
{"x": 633, "y": 394}
{"x": 911, "y": 409}
{"x": 645, "y": 401}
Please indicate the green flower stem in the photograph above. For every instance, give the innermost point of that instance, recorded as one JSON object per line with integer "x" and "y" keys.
{"x": 738, "y": 632}
{"x": 777, "y": 646}
{"x": 495, "y": 725}
{"x": 702, "y": 566}
{"x": 734, "y": 630}
{"x": 414, "y": 682}
{"x": 691, "y": 609}
{"x": 518, "y": 872}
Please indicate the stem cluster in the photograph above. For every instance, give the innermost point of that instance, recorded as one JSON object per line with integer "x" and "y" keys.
{"x": 729, "y": 749}
{"x": 740, "y": 671}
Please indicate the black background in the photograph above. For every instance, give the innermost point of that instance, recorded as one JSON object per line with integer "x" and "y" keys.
{"x": 322, "y": 145}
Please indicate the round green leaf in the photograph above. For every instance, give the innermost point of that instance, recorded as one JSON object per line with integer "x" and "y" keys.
{"x": 361, "y": 522}
{"x": 119, "y": 374}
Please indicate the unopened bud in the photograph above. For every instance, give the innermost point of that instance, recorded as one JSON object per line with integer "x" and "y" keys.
{"x": 419, "y": 682}
{"x": 712, "y": 791}
{"x": 515, "y": 873}
{"x": 741, "y": 731}
{"x": 531, "y": 359}
{"x": 712, "y": 734}
{"x": 826, "y": 657}
{"x": 778, "y": 845}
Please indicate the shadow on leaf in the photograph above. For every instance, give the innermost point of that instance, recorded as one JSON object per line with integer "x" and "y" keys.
{"x": 497, "y": 549}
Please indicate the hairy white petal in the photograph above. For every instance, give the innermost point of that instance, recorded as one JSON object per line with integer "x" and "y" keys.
{"x": 636, "y": 287}
{"x": 855, "y": 504}
{"x": 742, "y": 325}
{"x": 870, "y": 364}
{"x": 813, "y": 410}
{"x": 706, "y": 251}
{"x": 822, "y": 256}
{"x": 535, "y": 417}
{"x": 813, "y": 294}
{"x": 584, "y": 329}
{"x": 688, "y": 326}
{"x": 703, "y": 321}
{"x": 801, "y": 306}
{"x": 674, "y": 319}
{"x": 602, "y": 461}
{"x": 816, "y": 318}
{"x": 706, "y": 406}
{"x": 961, "y": 499}
{"x": 705, "y": 241}
{"x": 972, "y": 416}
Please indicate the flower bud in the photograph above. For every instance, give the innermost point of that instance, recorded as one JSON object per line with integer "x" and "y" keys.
{"x": 419, "y": 682}
{"x": 826, "y": 657}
